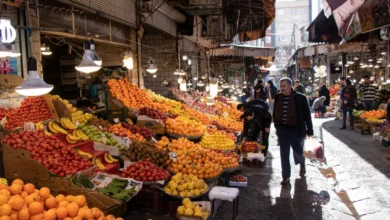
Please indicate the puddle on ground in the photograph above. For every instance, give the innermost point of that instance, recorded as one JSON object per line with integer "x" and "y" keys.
{"x": 331, "y": 175}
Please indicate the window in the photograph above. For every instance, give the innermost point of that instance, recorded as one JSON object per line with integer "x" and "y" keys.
{"x": 268, "y": 40}
{"x": 280, "y": 11}
{"x": 294, "y": 11}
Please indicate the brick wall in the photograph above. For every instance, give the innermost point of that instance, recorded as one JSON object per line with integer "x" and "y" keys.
{"x": 165, "y": 57}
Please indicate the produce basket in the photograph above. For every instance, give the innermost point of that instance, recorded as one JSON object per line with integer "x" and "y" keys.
{"x": 181, "y": 197}
{"x": 230, "y": 170}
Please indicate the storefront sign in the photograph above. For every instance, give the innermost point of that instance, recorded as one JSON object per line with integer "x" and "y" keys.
{"x": 8, "y": 33}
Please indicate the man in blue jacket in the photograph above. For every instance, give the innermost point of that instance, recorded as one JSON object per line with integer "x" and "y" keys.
{"x": 292, "y": 119}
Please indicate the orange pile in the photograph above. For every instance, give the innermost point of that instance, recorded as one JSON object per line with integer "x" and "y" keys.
{"x": 229, "y": 123}
{"x": 130, "y": 95}
{"x": 376, "y": 114}
{"x": 196, "y": 115}
{"x": 120, "y": 131}
{"x": 231, "y": 110}
{"x": 184, "y": 126}
{"x": 21, "y": 201}
{"x": 163, "y": 143}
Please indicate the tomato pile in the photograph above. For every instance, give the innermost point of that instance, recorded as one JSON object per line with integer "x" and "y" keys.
{"x": 145, "y": 171}
{"x": 49, "y": 151}
{"x": 33, "y": 109}
{"x": 155, "y": 114}
{"x": 145, "y": 132}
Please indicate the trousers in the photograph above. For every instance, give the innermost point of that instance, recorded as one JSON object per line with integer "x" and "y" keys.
{"x": 290, "y": 137}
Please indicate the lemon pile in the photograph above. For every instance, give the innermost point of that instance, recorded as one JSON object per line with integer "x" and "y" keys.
{"x": 218, "y": 141}
{"x": 185, "y": 186}
{"x": 192, "y": 209}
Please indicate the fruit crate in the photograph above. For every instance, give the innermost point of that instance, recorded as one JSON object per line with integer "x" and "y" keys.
{"x": 148, "y": 200}
{"x": 119, "y": 114}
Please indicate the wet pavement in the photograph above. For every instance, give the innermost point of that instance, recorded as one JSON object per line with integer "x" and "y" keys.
{"x": 353, "y": 185}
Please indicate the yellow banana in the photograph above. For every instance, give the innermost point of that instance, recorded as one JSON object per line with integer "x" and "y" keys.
{"x": 42, "y": 127}
{"x": 69, "y": 124}
{"x": 99, "y": 164}
{"x": 59, "y": 129}
{"x": 48, "y": 133}
{"x": 81, "y": 135}
{"x": 51, "y": 129}
{"x": 72, "y": 137}
{"x": 107, "y": 159}
{"x": 82, "y": 153}
{"x": 111, "y": 158}
{"x": 69, "y": 140}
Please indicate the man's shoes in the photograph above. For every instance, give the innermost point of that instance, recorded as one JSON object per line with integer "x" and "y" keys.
{"x": 285, "y": 182}
{"x": 302, "y": 171}
{"x": 343, "y": 128}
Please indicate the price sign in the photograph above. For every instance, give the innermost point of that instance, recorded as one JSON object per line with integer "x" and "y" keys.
{"x": 3, "y": 121}
{"x": 127, "y": 142}
{"x": 77, "y": 124}
{"x": 104, "y": 138}
{"x": 173, "y": 155}
{"x": 100, "y": 127}
{"x": 116, "y": 120}
{"x": 225, "y": 114}
{"x": 29, "y": 126}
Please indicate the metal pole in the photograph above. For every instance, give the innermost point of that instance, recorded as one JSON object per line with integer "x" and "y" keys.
{"x": 29, "y": 47}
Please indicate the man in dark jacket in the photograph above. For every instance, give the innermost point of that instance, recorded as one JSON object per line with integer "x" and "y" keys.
{"x": 298, "y": 87}
{"x": 348, "y": 97}
{"x": 292, "y": 119}
{"x": 261, "y": 91}
{"x": 257, "y": 119}
{"x": 246, "y": 105}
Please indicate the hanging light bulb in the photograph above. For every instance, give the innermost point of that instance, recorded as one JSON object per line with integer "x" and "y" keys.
{"x": 370, "y": 66}
{"x": 154, "y": 76}
{"x": 182, "y": 72}
{"x": 7, "y": 32}
{"x": 152, "y": 67}
{"x": 165, "y": 82}
{"x": 354, "y": 80}
{"x": 383, "y": 53}
{"x": 379, "y": 61}
{"x": 376, "y": 66}
{"x": 183, "y": 85}
{"x": 87, "y": 65}
{"x": 351, "y": 71}
{"x": 214, "y": 87}
{"x": 47, "y": 51}
{"x": 189, "y": 83}
{"x": 370, "y": 59}
{"x": 337, "y": 69}
{"x": 43, "y": 47}
{"x": 346, "y": 65}
{"x": 33, "y": 85}
{"x": 185, "y": 57}
{"x": 128, "y": 60}
{"x": 204, "y": 76}
{"x": 244, "y": 82}
{"x": 94, "y": 55}
{"x": 200, "y": 83}
{"x": 180, "y": 79}
{"x": 356, "y": 58}
{"x": 189, "y": 62}
{"x": 14, "y": 52}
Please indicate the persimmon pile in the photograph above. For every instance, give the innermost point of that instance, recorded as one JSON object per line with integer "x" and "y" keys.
{"x": 24, "y": 202}
{"x": 184, "y": 126}
{"x": 374, "y": 114}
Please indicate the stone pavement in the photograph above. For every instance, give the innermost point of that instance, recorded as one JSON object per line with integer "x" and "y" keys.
{"x": 355, "y": 178}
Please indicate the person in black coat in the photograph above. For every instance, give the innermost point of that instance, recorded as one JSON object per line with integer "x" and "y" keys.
{"x": 348, "y": 99}
{"x": 324, "y": 92}
{"x": 261, "y": 92}
{"x": 257, "y": 119}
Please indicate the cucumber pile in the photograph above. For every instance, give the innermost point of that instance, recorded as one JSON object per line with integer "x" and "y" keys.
{"x": 117, "y": 190}
{"x": 82, "y": 181}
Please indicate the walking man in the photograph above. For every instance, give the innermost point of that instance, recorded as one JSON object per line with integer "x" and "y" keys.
{"x": 292, "y": 121}
{"x": 370, "y": 94}
{"x": 348, "y": 98}
{"x": 298, "y": 87}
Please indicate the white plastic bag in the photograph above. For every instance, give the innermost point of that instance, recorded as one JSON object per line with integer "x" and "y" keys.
{"x": 314, "y": 150}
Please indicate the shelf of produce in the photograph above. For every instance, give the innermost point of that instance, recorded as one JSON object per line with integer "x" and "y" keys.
{"x": 62, "y": 138}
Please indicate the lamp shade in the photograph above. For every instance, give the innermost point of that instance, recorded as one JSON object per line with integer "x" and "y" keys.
{"x": 33, "y": 85}
{"x": 94, "y": 55}
{"x": 152, "y": 68}
{"x": 128, "y": 60}
{"x": 47, "y": 52}
{"x": 182, "y": 72}
{"x": 87, "y": 65}
{"x": 177, "y": 72}
{"x": 200, "y": 83}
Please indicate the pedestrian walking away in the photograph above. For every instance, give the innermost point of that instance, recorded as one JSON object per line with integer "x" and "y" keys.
{"x": 324, "y": 92}
{"x": 348, "y": 99}
{"x": 292, "y": 119}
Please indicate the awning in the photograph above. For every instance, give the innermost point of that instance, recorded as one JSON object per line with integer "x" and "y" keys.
{"x": 323, "y": 30}
{"x": 244, "y": 51}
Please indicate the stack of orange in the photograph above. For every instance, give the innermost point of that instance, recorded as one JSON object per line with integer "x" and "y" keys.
{"x": 211, "y": 129}
{"x": 375, "y": 114}
{"x": 196, "y": 115}
{"x": 21, "y": 201}
{"x": 120, "y": 131}
{"x": 226, "y": 161}
{"x": 163, "y": 143}
{"x": 229, "y": 123}
{"x": 130, "y": 95}
{"x": 184, "y": 126}
{"x": 231, "y": 110}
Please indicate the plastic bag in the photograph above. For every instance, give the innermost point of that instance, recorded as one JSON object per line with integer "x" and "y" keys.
{"x": 314, "y": 150}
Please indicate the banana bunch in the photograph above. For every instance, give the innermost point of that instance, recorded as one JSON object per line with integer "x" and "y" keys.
{"x": 55, "y": 128}
{"x": 67, "y": 123}
{"x": 109, "y": 159}
{"x": 47, "y": 133}
{"x": 39, "y": 126}
{"x": 82, "y": 153}
{"x": 76, "y": 136}
{"x": 98, "y": 163}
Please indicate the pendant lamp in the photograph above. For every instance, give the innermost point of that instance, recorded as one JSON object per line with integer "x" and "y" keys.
{"x": 14, "y": 52}
{"x": 152, "y": 66}
{"x": 182, "y": 72}
{"x": 47, "y": 51}
{"x": 87, "y": 65}
{"x": 200, "y": 83}
{"x": 177, "y": 72}
{"x": 33, "y": 85}
{"x": 128, "y": 60}
{"x": 94, "y": 55}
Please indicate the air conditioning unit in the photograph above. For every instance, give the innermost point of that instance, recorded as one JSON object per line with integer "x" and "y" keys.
{"x": 203, "y": 2}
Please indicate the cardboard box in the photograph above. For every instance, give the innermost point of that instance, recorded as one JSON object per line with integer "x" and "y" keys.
{"x": 146, "y": 122}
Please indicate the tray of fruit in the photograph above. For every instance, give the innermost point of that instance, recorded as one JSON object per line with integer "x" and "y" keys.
{"x": 185, "y": 186}
{"x": 250, "y": 146}
{"x": 146, "y": 172}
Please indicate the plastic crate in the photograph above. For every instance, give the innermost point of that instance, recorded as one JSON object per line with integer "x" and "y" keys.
{"x": 148, "y": 200}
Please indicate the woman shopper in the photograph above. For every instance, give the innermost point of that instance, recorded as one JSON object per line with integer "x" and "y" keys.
{"x": 348, "y": 99}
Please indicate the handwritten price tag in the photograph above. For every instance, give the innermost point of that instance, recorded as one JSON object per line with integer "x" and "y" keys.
{"x": 29, "y": 126}
{"x": 116, "y": 120}
{"x": 127, "y": 142}
{"x": 104, "y": 138}
{"x": 77, "y": 124}
{"x": 3, "y": 121}
{"x": 173, "y": 155}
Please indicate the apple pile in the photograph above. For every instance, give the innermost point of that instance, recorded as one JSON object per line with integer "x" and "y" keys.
{"x": 145, "y": 171}
{"x": 49, "y": 151}
{"x": 155, "y": 114}
{"x": 33, "y": 109}
{"x": 4, "y": 112}
{"x": 145, "y": 132}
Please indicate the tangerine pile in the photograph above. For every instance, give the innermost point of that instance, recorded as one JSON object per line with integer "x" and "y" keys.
{"x": 120, "y": 131}
{"x": 375, "y": 114}
{"x": 184, "y": 126}
{"x": 163, "y": 143}
{"x": 229, "y": 123}
{"x": 21, "y": 201}
{"x": 196, "y": 115}
{"x": 130, "y": 95}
